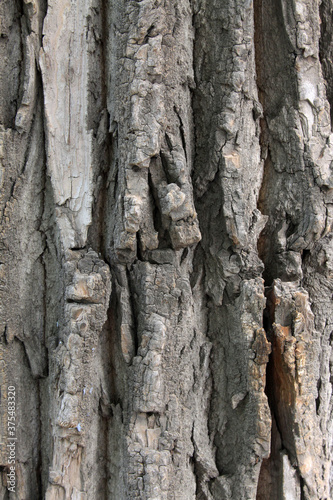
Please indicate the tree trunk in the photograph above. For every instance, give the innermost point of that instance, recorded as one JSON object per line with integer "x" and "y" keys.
{"x": 166, "y": 249}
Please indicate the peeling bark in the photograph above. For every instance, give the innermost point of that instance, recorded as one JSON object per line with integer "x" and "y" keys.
{"x": 166, "y": 248}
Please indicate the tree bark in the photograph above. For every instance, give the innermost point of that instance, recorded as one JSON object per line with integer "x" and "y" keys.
{"x": 166, "y": 173}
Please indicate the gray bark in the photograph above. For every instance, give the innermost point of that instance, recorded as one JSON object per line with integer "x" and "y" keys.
{"x": 166, "y": 249}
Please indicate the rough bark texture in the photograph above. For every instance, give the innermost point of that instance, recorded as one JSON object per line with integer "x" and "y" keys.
{"x": 166, "y": 171}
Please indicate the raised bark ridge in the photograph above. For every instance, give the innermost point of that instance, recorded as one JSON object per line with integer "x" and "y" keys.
{"x": 166, "y": 238}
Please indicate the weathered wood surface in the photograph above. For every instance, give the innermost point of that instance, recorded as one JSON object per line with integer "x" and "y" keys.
{"x": 166, "y": 248}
